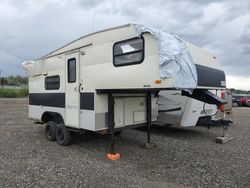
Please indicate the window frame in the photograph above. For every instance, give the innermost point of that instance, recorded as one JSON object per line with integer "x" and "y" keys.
{"x": 137, "y": 51}
{"x": 69, "y": 71}
{"x": 45, "y": 82}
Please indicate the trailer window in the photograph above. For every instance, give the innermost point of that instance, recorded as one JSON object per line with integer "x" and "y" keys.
{"x": 72, "y": 70}
{"x": 52, "y": 82}
{"x": 128, "y": 52}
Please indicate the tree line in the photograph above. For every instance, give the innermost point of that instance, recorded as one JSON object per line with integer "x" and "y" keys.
{"x": 14, "y": 80}
{"x": 239, "y": 91}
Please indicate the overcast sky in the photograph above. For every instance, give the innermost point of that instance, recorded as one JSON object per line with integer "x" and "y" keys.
{"x": 31, "y": 28}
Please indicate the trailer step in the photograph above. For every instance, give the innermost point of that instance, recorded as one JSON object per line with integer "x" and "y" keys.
{"x": 223, "y": 139}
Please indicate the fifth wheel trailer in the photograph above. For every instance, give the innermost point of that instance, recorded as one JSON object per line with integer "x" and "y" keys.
{"x": 111, "y": 79}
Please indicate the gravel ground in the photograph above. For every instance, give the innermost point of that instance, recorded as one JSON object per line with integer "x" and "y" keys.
{"x": 184, "y": 157}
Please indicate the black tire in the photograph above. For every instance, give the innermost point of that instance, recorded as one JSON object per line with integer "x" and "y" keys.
{"x": 63, "y": 136}
{"x": 50, "y": 131}
{"x": 235, "y": 104}
{"x": 118, "y": 133}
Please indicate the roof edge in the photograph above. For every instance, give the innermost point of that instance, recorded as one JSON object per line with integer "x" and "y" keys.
{"x": 87, "y": 35}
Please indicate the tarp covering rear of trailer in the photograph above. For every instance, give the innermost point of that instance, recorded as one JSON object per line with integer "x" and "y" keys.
{"x": 175, "y": 59}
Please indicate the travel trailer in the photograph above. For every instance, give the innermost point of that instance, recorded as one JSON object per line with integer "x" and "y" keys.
{"x": 111, "y": 79}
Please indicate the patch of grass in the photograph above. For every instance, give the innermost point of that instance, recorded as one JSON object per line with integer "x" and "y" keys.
{"x": 14, "y": 93}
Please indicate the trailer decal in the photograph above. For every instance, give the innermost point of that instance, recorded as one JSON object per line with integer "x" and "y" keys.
{"x": 47, "y": 99}
{"x": 58, "y": 100}
{"x": 209, "y": 76}
{"x": 87, "y": 101}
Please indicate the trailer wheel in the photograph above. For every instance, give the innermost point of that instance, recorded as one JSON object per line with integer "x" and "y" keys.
{"x": 50, "y": 131}
{"x": 63, "y": 136}
{"x": 118, "y": 133}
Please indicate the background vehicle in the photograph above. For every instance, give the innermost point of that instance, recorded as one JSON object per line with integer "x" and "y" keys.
{"x": 240, "y": 100}
{"x": 235, "y": 102}
{"x": 245, "y": 101}
{"x": 248, "y": 103}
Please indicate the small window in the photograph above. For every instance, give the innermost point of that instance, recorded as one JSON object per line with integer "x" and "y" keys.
{"x": 128, "y": 52}
{"x": 52, "y": 82}
{"x": 72, "y": 70}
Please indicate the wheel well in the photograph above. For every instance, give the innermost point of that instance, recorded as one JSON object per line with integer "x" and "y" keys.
{"x": 52, "y": 116}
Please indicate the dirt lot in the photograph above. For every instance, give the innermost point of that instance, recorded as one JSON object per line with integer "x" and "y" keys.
{"x": 183, "y": 157}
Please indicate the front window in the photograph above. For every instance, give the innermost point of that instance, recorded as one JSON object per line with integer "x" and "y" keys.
{"x": 128, "y": 52}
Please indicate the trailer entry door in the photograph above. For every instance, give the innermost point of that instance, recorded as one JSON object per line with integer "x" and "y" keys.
{"x": 72, "y": 95}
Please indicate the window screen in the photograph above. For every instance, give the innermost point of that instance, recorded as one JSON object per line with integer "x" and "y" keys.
{"x": 72, "y": 70}
{"x": 128, "y": 52}
{"x": 52, "y": 82}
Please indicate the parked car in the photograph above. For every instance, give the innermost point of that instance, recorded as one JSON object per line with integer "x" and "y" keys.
{"x": 245, "y": 101}
{"x": 236, "y": 102}
{"x": 240, "y": 100}
{"x": 248, "y": 103}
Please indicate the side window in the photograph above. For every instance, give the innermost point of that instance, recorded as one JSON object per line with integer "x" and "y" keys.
{"x": 128, "y": 52}
{"x": 72, "y": 70}
{"x": 52, "y": 82}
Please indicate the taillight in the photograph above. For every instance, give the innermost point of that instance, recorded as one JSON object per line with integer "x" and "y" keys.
{"x": 223, "y": 94}
{"x": 222, "y": 107}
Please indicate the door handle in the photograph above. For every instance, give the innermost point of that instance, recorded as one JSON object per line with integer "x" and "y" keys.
{"x": 79, "y": 88}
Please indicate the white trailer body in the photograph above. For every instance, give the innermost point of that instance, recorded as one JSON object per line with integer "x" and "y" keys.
{"x": 175, "y": 109}
{"x": 71, "y": 84}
